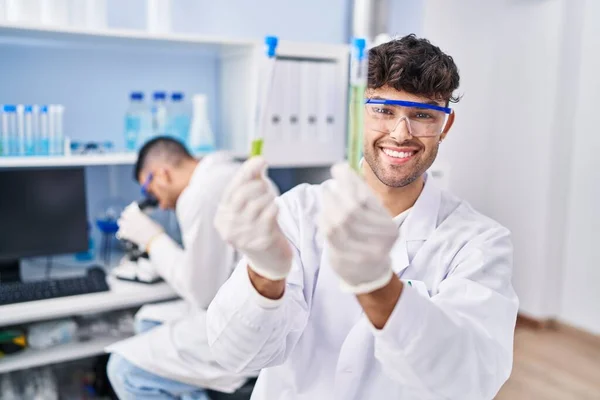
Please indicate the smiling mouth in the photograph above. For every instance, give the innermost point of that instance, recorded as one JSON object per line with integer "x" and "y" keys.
{"x": 398, "y": 156}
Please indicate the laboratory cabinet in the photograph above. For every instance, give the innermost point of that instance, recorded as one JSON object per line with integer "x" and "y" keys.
{"x": 92, "y": 72}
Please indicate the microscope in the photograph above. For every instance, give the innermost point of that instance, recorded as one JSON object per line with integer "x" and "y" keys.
{"x": 135, "y": 265}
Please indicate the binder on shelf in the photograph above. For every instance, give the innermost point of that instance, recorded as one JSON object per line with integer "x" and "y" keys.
{"x": 274, "y": 123}
{"x": 328, "y": 121}
{"x": 291, "y": 103}
{"x": 309, "y": 107}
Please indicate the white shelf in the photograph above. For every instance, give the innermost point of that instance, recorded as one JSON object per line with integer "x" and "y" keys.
{"x": 85, "y": 160}
{"x": 122, "y": 295}
{"x": 42, "y": 35}
{"x": 32, "y": 358}
{"x": 27, "y": 34}
{"x": 63, "y": 161}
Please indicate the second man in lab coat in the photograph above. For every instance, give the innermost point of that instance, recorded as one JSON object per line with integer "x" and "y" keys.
{"x": 172, "y": 359}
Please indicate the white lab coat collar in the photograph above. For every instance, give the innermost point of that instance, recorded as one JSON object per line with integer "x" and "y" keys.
{"x": 422, "y": 219}
{"x": 418, "y": 226}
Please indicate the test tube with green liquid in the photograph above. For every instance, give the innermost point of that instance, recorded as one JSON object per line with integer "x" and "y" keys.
{"x": 265, "y": 84}
{"x": 358, "y": 84}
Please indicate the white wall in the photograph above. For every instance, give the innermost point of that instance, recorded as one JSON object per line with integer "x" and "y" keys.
{"x": 469, "y": 142}
{"x": 561, "y": 157}
{"x": 405, "y": 16}
{"x": 527, "y": 73}
{"x": 501, "y": 150}
{"x": 581, "y": 267}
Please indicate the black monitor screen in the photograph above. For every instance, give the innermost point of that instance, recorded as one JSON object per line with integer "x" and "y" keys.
{"x": 42, "y": 212}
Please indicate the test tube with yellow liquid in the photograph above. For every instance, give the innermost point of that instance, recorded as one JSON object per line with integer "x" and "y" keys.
{"x": 265, "y": 83}
{"x": 358, "y": 84}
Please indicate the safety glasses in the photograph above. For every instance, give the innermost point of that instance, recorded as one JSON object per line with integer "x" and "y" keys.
{"x": 146, "y": 184}
{"x": 421, "y": 119}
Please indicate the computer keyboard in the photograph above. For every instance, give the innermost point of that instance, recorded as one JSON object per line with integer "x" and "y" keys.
{"x": 20, "y": 292}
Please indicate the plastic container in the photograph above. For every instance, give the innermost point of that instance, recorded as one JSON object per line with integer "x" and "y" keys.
{"x": 90, "y": 254}
{"x": 23, "y": 11}
{"x": 43, "y": 335}
{"x": 136, "y": 122}
{"x": 88, "y": 14}
{"x": 2, "y": 10}
{"x": 55, "y": 12}
{"x": 20, "y": 136}
{"x": 202, "y": 139}
{"x": 60, "y": 132}
{"x": 55, "y": 130}
{"x": 29, "y": 127}
{"x": 159, "y": 113}
{"x": 179, "y": 118}
{"x": 9, "y": 130}
{"x": 8, "y": 386}
{"x": 43, "y": 134}
{"x": 51, "y": 130}
{"x": 3, "y": 132}
{"x": 158, "y": 16}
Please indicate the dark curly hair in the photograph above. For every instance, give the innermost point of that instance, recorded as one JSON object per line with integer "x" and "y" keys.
{"x": 415, "y": 66}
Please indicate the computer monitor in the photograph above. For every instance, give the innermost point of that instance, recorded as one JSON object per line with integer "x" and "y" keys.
{"x": 42, "y": 212}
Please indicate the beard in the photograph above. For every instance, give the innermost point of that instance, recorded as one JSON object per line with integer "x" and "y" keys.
{"x": 397, "y": 176}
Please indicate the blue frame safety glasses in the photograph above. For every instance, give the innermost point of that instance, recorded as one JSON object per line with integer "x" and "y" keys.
{"x": 422, "y": 119}
{"x": 145, "y": 185}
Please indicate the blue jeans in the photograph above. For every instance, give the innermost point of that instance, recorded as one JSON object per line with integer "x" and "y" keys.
{"x": 133, "y": 383}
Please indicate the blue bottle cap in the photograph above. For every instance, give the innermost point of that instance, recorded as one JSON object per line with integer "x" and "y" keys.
{"x": 28, "y": 108}
{"x": 159, "y": 95}
{"x": 136, "y": 96}
{"x": 359, "y": 44}
{"x": 177, "y": 96}
{"x": 271, "y": 42}
{"x": 43, "y": 109}
{"x": 10, "y": 108}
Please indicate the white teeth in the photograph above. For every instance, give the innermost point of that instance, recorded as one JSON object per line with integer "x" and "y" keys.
{"x": 397, "y": 154}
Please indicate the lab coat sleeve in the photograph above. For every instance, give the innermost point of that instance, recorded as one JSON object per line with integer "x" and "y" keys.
{"x": 197, "y": 271}
{"x": 247, "y": 332}
{"x": 459, "y": 343}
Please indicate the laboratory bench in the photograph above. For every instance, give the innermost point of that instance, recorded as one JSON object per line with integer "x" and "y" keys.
{"x": 122, "y": 295}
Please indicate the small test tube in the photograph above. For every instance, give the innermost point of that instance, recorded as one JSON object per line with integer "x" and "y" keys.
{"x": 51, "y": 130}
{"x": 59, "y": 134}
{"x": 9, "y": 130}
{"x": 358, "y": 83}
{"x": 3, "y": 132}
{"x": 35, "y": 129}
{"x": 28, "y": 123}
{"x": 43, "y": 129}
{"x": 20, "y": 132}
{"x": 265, "y": 84}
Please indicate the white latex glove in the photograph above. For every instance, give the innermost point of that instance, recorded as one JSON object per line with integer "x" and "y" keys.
{"x": 137, "y": 227}
{"x": 247, "y": 219}
{"x": 360, "y": 233}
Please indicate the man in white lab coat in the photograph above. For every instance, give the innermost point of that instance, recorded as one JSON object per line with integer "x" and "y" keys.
{"x": 380, "y": 287}
{"x": 173, "y": 359}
